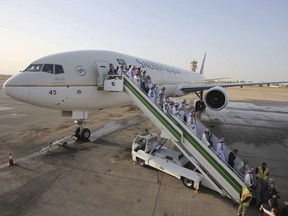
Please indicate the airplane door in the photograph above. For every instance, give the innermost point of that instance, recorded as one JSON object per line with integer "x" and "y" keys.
{"x": 102, "y": 71}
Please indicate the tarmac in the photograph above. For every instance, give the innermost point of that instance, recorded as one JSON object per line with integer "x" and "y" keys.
{"x": 99, "y": 177}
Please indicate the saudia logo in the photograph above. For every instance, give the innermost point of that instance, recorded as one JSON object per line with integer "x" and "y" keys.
{"x": 80, "y": 70}
{"x": 156, "y": 66}
{"x": 113, "y": 83}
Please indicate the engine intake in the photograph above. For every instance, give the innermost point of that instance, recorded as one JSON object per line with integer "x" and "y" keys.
{"x": 216, "y": 98}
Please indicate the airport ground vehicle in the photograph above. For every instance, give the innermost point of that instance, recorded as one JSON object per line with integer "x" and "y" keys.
{"x": 148, "y": 150}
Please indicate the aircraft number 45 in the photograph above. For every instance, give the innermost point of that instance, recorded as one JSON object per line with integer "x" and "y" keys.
{"x": 53, "y": 92}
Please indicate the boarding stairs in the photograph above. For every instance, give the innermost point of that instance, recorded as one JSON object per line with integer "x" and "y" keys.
{"x": 216, "y": 174}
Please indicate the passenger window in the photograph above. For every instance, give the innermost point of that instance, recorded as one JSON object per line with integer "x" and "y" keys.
{"x": 34, "y": 67}
{"x": 59, "y": 69}
{"x": 48, "y": 68}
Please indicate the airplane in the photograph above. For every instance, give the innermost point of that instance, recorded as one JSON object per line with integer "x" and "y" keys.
{"x": 73, "y": 83}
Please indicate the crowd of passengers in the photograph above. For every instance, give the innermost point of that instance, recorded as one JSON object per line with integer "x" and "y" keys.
{"x": 157, "y": 95}
{"x": 257, "y": 177}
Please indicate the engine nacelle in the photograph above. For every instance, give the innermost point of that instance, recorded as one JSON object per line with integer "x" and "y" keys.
{"x": 216, "y": 98}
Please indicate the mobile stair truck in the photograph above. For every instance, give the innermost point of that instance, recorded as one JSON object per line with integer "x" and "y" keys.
{"x": 215, "y": 172}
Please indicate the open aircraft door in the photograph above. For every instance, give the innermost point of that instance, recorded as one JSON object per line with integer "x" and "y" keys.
{"x": 102, "y": 71}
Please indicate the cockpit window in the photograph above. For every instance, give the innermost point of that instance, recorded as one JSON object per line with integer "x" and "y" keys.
{"x": 34, "y": 67}
{"x": 59, "y": 69}
{"x": 48, "y": 68}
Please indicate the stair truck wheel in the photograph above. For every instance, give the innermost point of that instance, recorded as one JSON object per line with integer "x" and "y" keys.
{"x": 141, "y": 162}
{"x": 187, "y": 182}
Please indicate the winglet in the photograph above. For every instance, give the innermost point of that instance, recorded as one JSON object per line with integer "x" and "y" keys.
{"x": 203, "y": 63}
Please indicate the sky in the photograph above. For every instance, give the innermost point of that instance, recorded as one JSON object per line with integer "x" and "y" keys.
{"x": 244, "y": 40}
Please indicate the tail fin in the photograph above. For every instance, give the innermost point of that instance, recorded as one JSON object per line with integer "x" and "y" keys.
{"x": 203, "y": 63}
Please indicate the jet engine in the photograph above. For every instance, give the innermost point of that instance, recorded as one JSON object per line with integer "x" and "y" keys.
{"x": 216, "y": 98}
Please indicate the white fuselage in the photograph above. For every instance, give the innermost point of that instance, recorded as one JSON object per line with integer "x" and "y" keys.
{"x": 77, "y": 87}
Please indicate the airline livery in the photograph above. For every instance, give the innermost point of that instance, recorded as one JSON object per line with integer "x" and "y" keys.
{"x": 73, "y": 83}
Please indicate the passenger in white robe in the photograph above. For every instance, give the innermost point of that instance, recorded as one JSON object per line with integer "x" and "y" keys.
{"x": 191, "y": 121}
{"x": 151, "y": 94}
{"x": 175, "y": 110}
{"x": 204, "y": 137}
{"x": 130, "y": 72}
{"x": 220, "y": 149}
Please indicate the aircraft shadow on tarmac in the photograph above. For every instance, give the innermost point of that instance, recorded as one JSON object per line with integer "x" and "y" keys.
{"x": 104, "y": 142}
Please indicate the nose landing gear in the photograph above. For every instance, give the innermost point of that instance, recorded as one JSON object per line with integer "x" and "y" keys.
{"x": 81, "y": 133}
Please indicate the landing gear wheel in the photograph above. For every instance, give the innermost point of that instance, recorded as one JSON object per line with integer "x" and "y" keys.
{"x": 187, "y": 182}
{"x": 141, "y": 162}
{"x": 85, "y": 134}
{"x": 200, "y": 106}
{"x": 203, "y": 106}
{"x": 77, "y": 133}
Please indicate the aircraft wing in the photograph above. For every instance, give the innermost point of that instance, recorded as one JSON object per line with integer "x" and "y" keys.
{"x": 217, "y": 79}
{"x": 203, "y": 86}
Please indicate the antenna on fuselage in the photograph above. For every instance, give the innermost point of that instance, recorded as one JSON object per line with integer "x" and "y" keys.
{"x": 203, "y": 63}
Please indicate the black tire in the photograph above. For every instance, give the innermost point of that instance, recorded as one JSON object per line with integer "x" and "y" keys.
{"x": 65, "y": 145}
{"x": 200, "y": 106}
{"x": 141, "y": 162}
{"x": 187, "y": 182}
{"x": 77, "y": 133}
{"x": 197, "y": 105}
{"x": 203, "y": 106}
{"x": 85, "y": 134}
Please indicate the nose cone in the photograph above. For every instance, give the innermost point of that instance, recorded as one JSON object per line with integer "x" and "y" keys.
{"x": 17, "y": 87}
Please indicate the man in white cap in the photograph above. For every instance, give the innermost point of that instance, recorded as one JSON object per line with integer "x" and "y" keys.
{"x": 121, "y": 70}
{"x": 166, "y": 108}
{"x": 175, "y": 109}
{"x": 249, "y": 178}
{"x": 191, "y": 121}
{"x": 182, "y": 105}
{"x": 131, "y": 72}
{"x": 152, "y": 94}
{"x": 220, "y": 149}
{"x": 204, "y": 137}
